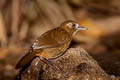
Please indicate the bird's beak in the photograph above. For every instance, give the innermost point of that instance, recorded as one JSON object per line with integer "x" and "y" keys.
{"x": 82, "y": 28}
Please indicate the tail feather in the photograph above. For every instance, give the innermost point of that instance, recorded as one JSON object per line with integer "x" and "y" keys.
{"x": 25, "y": 60}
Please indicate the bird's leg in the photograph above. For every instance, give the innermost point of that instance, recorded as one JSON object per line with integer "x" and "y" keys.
{"x": 51, "y": 64}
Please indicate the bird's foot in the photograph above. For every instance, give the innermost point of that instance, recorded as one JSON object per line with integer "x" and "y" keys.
{"x": 51, "y": 64}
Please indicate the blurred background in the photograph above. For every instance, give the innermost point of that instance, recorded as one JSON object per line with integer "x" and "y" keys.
{"x": 22, "y": 21}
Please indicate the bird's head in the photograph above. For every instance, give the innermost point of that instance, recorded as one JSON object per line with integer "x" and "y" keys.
{"x": 72, "y": 27}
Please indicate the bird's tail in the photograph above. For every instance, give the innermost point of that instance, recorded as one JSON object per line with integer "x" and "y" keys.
{"x": 25, "y": 60}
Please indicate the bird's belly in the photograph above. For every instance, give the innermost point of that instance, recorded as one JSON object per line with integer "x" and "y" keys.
{"x": 52, "y": 52}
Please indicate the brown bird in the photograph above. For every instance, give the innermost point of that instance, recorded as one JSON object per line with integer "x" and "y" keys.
{"x": 52, "y": 44}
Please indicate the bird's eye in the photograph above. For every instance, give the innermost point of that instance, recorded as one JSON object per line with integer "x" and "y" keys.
{"x": 73, "y": 25}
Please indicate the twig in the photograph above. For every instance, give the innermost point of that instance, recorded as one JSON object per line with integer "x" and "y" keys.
{"x": 66, "y": 9}
{"x": 15, "y": 17}
{"x": 3, "y": 34}
{"x": 110, "y": 9}
{"x": 51, "y": 11}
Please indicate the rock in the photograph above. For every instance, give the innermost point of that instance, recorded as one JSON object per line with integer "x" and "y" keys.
{"x": 75, "y": 64}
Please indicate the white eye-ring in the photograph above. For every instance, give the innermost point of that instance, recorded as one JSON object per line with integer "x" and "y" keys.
{"x": 73, "y": 25}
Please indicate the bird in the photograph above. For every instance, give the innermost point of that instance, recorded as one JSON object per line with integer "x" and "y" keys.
{"x": 51, "y": 44}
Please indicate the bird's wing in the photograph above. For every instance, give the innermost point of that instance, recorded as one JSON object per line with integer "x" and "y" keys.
{"x": 46, "y": 41}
